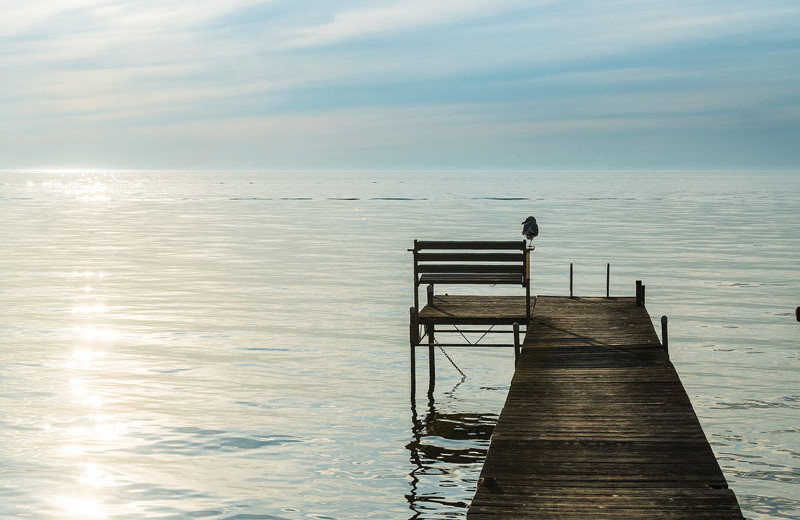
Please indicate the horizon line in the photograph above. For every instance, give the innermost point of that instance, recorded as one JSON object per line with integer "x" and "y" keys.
{"x": 385, "y": 170}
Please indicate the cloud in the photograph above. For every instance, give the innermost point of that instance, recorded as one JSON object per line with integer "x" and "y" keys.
{"x": 81, "y": 16}
{"x": 445, "y": 69}
{"x": 395, "y": 17}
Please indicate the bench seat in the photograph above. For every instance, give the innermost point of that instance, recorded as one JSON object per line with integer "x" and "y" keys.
{"x": 473, "y": 310}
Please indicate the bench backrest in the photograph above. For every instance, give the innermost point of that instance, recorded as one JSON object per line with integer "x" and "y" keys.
{"x": 472, "y": 258}
{"x": 470, "y": 262}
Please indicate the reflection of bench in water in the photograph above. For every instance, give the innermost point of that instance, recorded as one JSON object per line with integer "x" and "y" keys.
{"x": 446, "y": 452}
{"x": 467, "y": 263}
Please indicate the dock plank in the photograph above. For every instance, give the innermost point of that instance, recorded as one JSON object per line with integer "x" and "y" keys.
{"x": 598, "y": 425}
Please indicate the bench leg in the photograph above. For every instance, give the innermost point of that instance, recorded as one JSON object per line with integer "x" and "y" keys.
{"x": 413, "y": 376}
{"x": 413, "y": 335}
{"x": 431, "y": 361}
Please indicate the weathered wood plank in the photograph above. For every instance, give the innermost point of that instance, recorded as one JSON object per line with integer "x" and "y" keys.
{"x": 419, "y": 245}
{"x": 510, "y": 269}
{"x": 597, "y": 425}
{"x": 470, "y": 257}
{"x": 470, "y": 278}
{"x": 462, "y": 309}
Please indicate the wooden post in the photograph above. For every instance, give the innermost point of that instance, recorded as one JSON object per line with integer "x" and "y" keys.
{"x": 413, "y": 334}
{"x": 608, "y": 279}
{"x": 416, "y": 274}
{"x": 431, "y": 340}
{"x": 570, "y": 279}
{"x": 638, "y": 293}
{"x": 643, "y": 295}
{"x": 431, "y": 361}
{"x": 527, "y": 286}
{"x": 516, "y": 342}
{"x": 527, "y": 264}
{"x": 528, "y": 303}
{"x": 664, "y": 337}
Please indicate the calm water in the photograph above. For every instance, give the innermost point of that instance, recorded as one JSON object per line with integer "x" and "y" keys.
{"x": 234, "y": 345}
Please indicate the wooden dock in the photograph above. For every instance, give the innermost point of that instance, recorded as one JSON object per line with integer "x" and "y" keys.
{"x": 597, "y": 425}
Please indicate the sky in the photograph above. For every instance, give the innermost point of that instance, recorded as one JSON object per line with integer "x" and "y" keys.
{"x": 400, "y": 84}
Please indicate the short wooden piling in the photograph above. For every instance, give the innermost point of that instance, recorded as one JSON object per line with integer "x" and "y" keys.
{"x": 664, "y": 337}
{"x": 608, "y": 279}
{"x": 516, "y": 342}
{"x": 570, "y": 279}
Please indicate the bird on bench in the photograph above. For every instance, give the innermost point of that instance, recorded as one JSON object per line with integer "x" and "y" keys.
{"x": 530, "y": 229}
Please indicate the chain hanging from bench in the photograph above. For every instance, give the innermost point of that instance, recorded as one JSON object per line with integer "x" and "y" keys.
{"x": 451, "y": 361}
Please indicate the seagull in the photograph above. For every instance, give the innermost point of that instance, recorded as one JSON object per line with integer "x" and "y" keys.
{"x": 530, "y": 229}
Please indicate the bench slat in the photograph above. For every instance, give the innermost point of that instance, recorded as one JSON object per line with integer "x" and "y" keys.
{"x": 469, "y": 278}
{"x": 470, "y": 257}
{"x": 472, "y": 268}
{"x": 470, "y": 244}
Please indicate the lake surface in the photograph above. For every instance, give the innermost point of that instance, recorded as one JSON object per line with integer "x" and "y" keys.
{"x": 230, "y": 345}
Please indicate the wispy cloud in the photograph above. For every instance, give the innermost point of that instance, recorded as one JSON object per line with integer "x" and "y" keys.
{"x": 388, "y": 19}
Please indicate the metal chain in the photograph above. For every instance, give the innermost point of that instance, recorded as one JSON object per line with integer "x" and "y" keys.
{"x": 451, "y": 360}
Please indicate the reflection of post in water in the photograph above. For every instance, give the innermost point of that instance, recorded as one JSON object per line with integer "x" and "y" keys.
{"x": 446, "y": 452}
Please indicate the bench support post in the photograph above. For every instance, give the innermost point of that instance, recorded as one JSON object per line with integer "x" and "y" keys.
{"x": 527, "y": 268}
{"x": 416, "y": 277}
{"x": 527, "y": 304}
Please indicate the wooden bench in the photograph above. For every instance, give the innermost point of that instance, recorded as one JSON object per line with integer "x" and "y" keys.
{"x": 471, "y": 263}
{"x": 467, "y": 263}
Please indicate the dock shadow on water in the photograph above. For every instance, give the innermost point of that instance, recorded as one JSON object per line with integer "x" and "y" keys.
{"x": 446, "y": 453}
